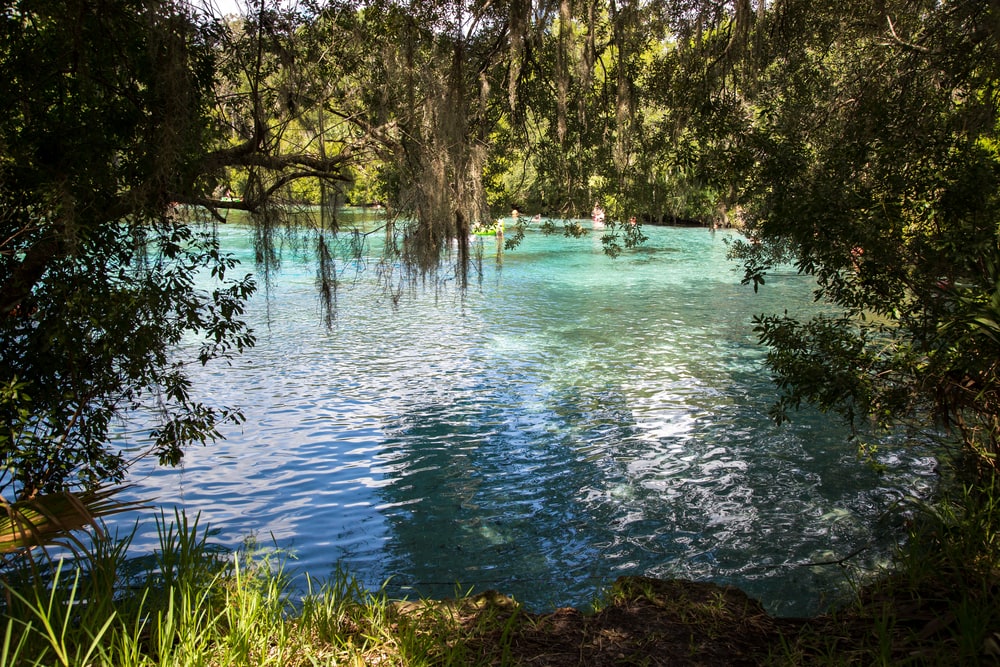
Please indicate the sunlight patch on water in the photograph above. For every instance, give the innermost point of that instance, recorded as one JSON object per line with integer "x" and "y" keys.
{"x": 574, "y": 419}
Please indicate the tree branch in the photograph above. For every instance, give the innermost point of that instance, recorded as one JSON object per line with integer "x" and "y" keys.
{"x": 903, "y": 43}
{"x": 26, "y": 275}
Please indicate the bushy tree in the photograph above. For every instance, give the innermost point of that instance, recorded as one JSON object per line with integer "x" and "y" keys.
{"x": 874, "y": 147}
{"x": 103, "y": 118}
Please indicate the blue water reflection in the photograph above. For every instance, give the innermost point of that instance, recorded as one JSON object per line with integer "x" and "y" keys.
{"x": 571, "y": 419}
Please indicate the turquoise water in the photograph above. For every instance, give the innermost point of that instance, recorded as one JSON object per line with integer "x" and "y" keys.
{"x": 569, "y": 419}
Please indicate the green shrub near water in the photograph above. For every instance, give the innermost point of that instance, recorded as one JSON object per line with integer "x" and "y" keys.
{"x": 940, "y": 602}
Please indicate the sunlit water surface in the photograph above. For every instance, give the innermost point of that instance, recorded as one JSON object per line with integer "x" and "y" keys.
{"x": 567, "y": 420}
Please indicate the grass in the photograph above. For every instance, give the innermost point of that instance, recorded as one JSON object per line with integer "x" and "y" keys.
{"x": 192, "y": 604}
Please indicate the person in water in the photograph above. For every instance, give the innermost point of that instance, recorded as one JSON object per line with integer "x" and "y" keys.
{"x": 597, "y": 215}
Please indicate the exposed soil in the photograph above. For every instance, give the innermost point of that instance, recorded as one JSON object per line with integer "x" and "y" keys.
{"x": 654, "y": 622}
{"x": 681, "y": 623}
{"x": 647, "y": 622}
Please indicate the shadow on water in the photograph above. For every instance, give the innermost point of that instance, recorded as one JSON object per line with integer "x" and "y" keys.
{"x": 550, "y": 493}
{"x": 570, "y": 420}
{"x": 493, "y": 493}
{"x": 617, "y": 424}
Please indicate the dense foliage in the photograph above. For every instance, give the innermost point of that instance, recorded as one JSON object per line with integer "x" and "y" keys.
{"x": 857, "y": 140}
{"x": 110, "y": 123}
{"x": 103, "y": 116}
{"x": 873, "y": 145}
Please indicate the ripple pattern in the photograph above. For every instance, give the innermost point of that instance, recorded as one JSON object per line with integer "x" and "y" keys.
{"x": 573, "y": 419}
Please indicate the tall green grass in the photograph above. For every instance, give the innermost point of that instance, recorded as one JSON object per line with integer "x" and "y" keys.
{"x": 192, "y": 604}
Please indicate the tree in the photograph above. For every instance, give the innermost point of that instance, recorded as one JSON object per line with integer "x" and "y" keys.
{"x": 876, "y": 169}
{"x": 109, "y": 125}
{"x": 103, "y": 120}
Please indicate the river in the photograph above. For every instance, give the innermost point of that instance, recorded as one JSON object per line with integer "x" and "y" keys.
{"x": 567, "y": 419}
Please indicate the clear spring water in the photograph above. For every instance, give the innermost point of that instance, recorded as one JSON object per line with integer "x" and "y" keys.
{"x": 570, "y": 419}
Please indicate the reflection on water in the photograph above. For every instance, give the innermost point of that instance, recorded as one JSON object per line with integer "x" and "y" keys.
{"x": 572, "y": 419}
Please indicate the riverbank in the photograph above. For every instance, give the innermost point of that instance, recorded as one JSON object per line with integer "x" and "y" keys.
{"x": 643, "y": 621}
{"x": 192, "y": 604}
{"x": 656, "y": 622}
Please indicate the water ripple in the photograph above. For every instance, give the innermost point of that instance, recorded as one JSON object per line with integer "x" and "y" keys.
{"x": 573, "y": 420}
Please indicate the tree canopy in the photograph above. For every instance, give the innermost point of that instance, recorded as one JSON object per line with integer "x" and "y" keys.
{"x": 858, "y": 140}
{"x": 874, "y": 165}
{"x": 103, "y": 121}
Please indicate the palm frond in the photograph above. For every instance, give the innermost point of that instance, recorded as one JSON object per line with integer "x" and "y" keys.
{"x": 46, "y": 519}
